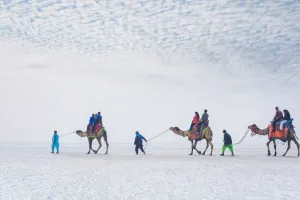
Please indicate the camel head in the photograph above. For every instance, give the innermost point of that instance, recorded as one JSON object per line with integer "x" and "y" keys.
{"x": 253, "y": 127}
{"x": 175, "y": 129}
{"x": 80, "y": 133}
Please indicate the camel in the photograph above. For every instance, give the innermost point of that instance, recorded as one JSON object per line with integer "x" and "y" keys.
{"x": 101, "y": 133}
{"x": 291, "y": 136}
{"x": 207, "y": 135}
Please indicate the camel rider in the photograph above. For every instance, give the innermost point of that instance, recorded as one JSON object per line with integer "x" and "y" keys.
{"x": 278, "y": 117}
{"x": 91, "y": 121}
{"x": 98, "y": 119}
{"x": 196, "y": 119}
{"x": 227, "y": 143}
{"x": 99, "y": 116}
{"x": 55, "y": 142}
{"x": 286, "y": 118}
{"x": 204, "y": 118}
{"x": 138, "y": 142}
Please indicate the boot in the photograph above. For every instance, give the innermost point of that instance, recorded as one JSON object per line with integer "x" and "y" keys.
{"x": 232, "y": 154}
{"x": 52, "y": 152}
{"x": 222, "y": 154}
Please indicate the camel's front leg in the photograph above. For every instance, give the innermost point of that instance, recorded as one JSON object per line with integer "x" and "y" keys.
{"x": 90, "y": 146}
{"x": 268, "y": 143}
{"x": 288, "y": 148}
{"x": 195, "y": 147}
{"x": 100, "y": 145}
{"x": 192, "y": 147}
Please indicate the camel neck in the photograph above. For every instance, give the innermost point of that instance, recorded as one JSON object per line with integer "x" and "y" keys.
{"x": 261, "y": 131}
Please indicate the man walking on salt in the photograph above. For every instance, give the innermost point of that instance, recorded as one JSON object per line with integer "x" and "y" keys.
{"x": 227, "y": 143}
{"x": 138, "y": 142}
{"x": 55, "y": 142}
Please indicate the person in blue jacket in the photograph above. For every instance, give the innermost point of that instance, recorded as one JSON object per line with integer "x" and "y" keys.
{"x": 55, "y": 142}
{"x": 92, "y": 119}
{"x": 99, "y": 117}
{"x": 138, "y": 142}
{"x": 91, "y": 122}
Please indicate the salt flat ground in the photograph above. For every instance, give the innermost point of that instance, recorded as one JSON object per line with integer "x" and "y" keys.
{"x": 31, "y": 172}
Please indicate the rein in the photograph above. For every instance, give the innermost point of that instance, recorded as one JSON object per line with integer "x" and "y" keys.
{"x": 67, "y": 134}
{"x": 156, "y": 136}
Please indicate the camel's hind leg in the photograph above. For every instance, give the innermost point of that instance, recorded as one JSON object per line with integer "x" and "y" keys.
{"x": 106, "y": 142}
{"x": 288, "y": 148}
{"x": 212, "y": 147}
{"x": 208, "y": 136}
{"x": 297, "y": 144}
{"x": 207, "y": 144}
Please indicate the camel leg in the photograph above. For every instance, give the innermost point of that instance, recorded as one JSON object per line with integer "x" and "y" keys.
{"x": 212, "y": 147}
{"x": 288, "y": 148}
{"x": 206, "y": 147}
{"x": 297, "y": 144}
{"x": 192, "y": 146}
{"x": 100, "y": 145}
{"x": 274, "y": 142}
{"x": 195, "y": 147}
{"x": 90, "y": 145}
{"x": 105, "y": 140}
{"x": 268, "y": 143}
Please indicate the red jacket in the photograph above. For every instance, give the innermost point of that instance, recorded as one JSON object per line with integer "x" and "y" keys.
{"x": 278, "y": 115}
{"x": 195, "y": 119}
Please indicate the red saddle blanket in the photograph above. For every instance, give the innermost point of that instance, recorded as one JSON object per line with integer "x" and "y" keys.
{"x": 278, "y": 134}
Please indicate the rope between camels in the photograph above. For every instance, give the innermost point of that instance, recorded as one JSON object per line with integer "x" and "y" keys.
{"x": 242, "y": 137}
{"x": 67, "y": 134}
{"x": 156, "y": 136}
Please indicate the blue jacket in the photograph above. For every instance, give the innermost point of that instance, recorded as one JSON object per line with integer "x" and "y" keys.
{"x": 99, "y": 117}
{"x": 92, "y": 120}
{"x": 55, "y": 139}
{"x": 139, "y": 139}
{"x": 227, "y": 139}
